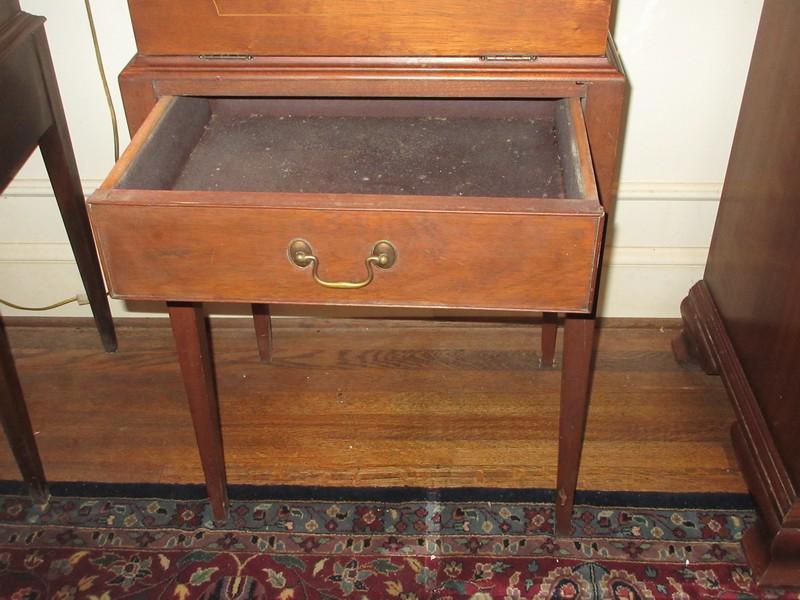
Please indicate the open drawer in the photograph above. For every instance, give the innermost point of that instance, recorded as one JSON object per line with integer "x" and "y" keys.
{"x": 485, "y": 204}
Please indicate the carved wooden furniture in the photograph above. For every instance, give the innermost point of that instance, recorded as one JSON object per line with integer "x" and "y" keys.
{"x": 743, "y": 319}
{"x": 399, "y": 153}
{"x": 31, "y": 115}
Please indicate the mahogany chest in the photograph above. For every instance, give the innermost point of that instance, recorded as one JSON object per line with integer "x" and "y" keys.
{"x": 742, "y": 320}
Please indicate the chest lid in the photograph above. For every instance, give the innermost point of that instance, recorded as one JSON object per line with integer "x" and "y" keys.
{"x": 371, "y": 27}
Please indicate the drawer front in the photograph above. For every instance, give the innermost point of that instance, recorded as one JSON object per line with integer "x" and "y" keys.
{"x": 455, "y": 260}
{"x": 371, "y": 27}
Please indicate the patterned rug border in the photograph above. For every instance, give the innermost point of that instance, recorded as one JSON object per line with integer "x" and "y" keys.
{"x": 240, "y": 492}
{"x": 123, "y": 541}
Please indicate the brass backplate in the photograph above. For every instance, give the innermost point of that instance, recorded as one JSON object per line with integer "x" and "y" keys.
{"x": 299, "y": 253}
{"x": 387, "y": 254}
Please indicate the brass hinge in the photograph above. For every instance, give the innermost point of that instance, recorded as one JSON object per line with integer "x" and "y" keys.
{"x": 509, "y": 57}
{"x": 225, "y": 57}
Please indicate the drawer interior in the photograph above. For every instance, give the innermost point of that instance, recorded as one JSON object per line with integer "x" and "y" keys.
{"x": 476, "y": 148}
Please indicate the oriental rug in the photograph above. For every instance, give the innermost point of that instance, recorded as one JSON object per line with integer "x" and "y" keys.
{"x": 100, "y": 542}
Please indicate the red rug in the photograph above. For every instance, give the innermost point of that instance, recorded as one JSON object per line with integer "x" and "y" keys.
{"x": 98, "y": 548}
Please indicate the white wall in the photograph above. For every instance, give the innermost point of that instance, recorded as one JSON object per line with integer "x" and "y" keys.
{"x": 687, "y": 62}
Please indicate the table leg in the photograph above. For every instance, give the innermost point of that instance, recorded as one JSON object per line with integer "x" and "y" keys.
{"x": 62, "y": 169}
{"x": 549, "y": 335}
{"x": 576, "y": 374}
{"x": 17, "y": 424}
{"x": 263, "y": 325}
{"x": 191, "y": 341}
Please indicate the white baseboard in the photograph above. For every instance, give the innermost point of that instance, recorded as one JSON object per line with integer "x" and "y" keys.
{"x": 632, "y": 191}
{"x": 658, "y": 251}
{"x": 40, "y": 188}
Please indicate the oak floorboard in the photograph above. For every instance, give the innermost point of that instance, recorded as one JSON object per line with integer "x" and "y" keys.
{"x": 373, "y": 403}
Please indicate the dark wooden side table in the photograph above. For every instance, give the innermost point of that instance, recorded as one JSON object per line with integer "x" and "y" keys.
{"x": 31, "y": 116}
{"x": 743, "y": 319}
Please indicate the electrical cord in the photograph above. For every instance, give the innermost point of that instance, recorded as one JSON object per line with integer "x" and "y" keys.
{"x": 106, "y": 89}
{"x": 40, "y": 308}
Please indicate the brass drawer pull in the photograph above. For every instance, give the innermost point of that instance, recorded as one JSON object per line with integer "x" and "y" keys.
{"x": 383, "y": 256}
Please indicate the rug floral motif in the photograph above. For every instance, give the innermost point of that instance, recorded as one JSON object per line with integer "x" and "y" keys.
{"x": 110, "y": 549}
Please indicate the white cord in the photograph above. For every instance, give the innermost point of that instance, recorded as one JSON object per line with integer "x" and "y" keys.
{"x": 40, "y": 308}
{"x": 101, "y": 68}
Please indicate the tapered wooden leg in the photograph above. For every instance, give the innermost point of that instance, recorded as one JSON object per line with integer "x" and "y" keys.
{"x": 263, "y": 325}
{"x": 67, "y": 188}
{"x": 191, "y": 342}
{"x": 575, "y": 388}
{"x": 549, "y": 334}
{"x": 62, "y": 169}
{"x": 17, "y": 424}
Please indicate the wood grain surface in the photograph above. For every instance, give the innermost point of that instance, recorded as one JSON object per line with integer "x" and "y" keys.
{"x": 371, "y": 27}
{"x": 373, "y": 403}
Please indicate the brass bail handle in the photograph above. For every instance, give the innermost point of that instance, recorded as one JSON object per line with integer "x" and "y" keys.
{"x": 383, "y": 256}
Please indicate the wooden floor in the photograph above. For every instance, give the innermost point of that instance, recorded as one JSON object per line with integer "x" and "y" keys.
{"x": 369, "y": 403}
